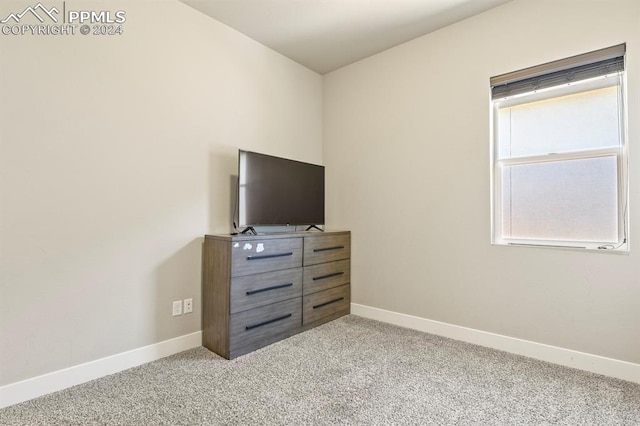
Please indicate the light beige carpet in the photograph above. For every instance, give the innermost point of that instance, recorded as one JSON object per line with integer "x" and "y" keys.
{"x": 352, "y": 371}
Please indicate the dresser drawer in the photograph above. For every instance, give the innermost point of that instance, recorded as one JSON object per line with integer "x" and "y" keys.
{"x": 326, "y": 275}
{"x": 326, "y": 248}
{"x": 326, "y": 304}
{"x": 251, "y": 291}
{"x": 256, "y": 256}
{"x": 255, "y": 328}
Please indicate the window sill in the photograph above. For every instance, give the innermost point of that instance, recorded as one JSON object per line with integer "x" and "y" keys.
{"x": 620, "y": 248}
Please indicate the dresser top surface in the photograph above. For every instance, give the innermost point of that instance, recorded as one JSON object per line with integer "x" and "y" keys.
{"x": 274, "y": 235}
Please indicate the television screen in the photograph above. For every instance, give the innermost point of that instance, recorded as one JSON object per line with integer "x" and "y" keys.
{"x": 279, "y": 191}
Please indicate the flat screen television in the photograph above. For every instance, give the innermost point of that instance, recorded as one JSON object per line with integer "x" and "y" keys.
{"x": 278, "y": 191}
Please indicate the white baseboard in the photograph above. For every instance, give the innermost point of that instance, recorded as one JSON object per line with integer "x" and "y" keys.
{"x": 24, "y": 390}
{"x": 583, "y": 361}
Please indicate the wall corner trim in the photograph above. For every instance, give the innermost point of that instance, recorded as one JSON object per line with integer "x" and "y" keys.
{"x": 569, "y": 358}
{"x": 17, "y": 392}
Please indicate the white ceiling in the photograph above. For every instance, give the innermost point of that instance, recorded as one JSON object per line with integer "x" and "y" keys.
{"x": 324, "y": 35}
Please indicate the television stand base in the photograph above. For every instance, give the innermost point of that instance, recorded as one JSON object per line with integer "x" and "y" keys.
{"x": 249, "y": 230}
{"x": 314, "y": 226}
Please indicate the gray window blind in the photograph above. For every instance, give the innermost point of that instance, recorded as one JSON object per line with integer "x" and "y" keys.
{"x": 581, "y": 67}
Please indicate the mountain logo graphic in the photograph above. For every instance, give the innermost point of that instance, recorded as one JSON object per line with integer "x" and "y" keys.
{"x": 38, "y": 11}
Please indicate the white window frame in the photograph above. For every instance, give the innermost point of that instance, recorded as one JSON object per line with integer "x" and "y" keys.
{"x": 619, "y": 152}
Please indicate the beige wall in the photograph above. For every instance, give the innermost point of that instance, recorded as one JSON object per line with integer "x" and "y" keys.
{"x": 116, "y": 156}
{"x": 406, "y": 140}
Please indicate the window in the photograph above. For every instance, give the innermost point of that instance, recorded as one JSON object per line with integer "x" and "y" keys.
{"x": 559, "y": 156}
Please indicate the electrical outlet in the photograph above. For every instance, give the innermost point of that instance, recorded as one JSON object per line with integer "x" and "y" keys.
{"x": 177, "y": 308}
{"x": 188, "y": 305}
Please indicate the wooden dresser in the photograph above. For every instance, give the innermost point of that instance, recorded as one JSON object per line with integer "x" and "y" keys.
{"x": 258, "y": 289}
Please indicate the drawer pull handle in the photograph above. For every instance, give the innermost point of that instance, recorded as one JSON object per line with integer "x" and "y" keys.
{"x": 335, "y": 274}
{"x": 328, "y": 248}
{"x": 271, "y": 321}
{"x": 275, "y": 287}
{"x": 329, "y": 302}
{"x": 269, "y": 256}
